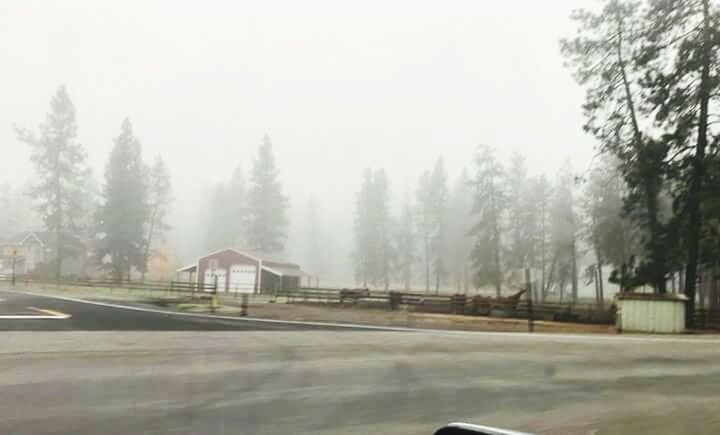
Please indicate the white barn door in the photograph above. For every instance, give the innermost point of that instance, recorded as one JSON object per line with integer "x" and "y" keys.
{"x": 242, "y": 278}
{"x": 221, "y": 279}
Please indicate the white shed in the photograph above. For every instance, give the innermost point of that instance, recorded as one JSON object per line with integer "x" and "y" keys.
{"x": 647, "y": 312}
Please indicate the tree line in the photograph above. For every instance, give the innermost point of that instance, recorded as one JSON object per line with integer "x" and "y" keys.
{"x": 481, "y": 230}
{"x": 652, "y": 78}
{"x": 125, "y": 218}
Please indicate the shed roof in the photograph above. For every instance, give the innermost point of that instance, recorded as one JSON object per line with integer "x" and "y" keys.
{"x": 286, "y": 271}
{"x": 651, "y": 297}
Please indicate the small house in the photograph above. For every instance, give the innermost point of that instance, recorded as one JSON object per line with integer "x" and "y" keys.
{"x": 35, "y": 253}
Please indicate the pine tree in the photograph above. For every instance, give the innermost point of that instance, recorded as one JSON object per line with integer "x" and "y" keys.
{"x": 488, "y": 206}
{"x": 542, "y": 195}
{"x": 459, "y": 225}
{"x": 405, "y": 243}
{"x": 382, "y": 223}
{"x": 363, "y": 230}
{"x": 608, "y": 57}
{"x": 267, "y": 212}
{"x": 682, "y": 83}
{"x": 431, "y": 199}
{"x": 159, "y": 191}
{"x": 563, "y": 232}
{"x": 60, "y": 168}
{"x": 228, "y": 217}
{"x": 373, "y": 254}
{"x": 124, "y": 212}
{"x": 521, "y": 216}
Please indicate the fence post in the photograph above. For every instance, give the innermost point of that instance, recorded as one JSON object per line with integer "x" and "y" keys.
{"x": 531, "y": 326}
{"x": 244, "y": 305}
{"x": 213, "y": 297}
{"x": 395, "y": 299}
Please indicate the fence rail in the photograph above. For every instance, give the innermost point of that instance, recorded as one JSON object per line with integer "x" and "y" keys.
{"x": 147, "y": 285}
{"x": 510, "y": 306}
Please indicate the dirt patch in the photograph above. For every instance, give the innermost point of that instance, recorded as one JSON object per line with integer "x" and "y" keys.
{"x": 369, "y": 316}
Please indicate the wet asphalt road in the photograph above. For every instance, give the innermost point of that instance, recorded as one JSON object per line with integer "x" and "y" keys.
{"x": 304, "y": 382}
{"x": 90, "y": 317}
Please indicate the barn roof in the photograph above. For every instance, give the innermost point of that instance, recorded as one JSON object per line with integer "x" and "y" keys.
{"x": 260, "y": 256}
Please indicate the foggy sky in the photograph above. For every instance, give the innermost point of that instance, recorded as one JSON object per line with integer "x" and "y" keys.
{"x": 338, "y": 86}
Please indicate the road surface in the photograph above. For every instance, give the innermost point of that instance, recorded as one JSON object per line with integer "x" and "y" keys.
{"x": 332, "y": 382}
{"x": 24, "y": 311}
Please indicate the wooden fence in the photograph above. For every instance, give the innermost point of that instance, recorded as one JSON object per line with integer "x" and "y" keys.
{"x": 515, "y": 306}
{"x": 147, "y": 285}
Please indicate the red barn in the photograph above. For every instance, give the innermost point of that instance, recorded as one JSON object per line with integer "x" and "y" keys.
{"x": 245, "y": 272}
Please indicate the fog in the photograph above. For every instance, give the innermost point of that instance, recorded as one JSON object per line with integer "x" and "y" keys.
{"x": 338, "y": 86}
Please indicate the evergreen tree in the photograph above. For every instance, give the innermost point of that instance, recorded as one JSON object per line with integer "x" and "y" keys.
{"x": 124, "y": 212}
{"x": 542, "y": 194}
{"x": 363, "y": 229}
{"x": 608, "y": 59}
{"x": 488, "y": 206}
{"x": 682, "y": 83}
{"x": 228, "y": 214}
{"x": 521, "y": 216}
{"x": 608, "y": 230}
{"x": 563, "y": 233}
{"x": 382, "y": 222}
{"x": 405, "y": 243}
{"x": 267, "y": 212}
{"x": 431, "y": 199}
{"x": 60, "y": 168}
{"x": 374, "y": 254}
{"x": 159, "y": 191}
{"x": 459, "y": 225}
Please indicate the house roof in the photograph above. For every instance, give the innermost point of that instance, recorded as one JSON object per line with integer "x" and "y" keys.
{"x": 45, "y": 238}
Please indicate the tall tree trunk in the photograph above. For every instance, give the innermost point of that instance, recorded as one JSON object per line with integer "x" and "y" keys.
{"x": 59, "y": 251}
{"x": 694, "y": 214}
{"x": 427, "y": 263}
{"x": 58, "y": 254}
{"x": 600, "y": 283}
{"x": 148, "y": 242}
{"x": 681, "y": 280}
{"x": 649, "y": 185}
{"x": 673, "y": 285}
{"x": 573, "y": 270}
{"x": 542, "y": 252}
{"x": 595, "y": 281}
